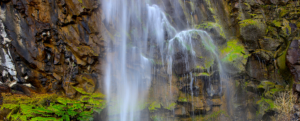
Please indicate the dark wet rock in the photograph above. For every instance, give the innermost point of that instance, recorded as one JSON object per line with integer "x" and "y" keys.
{"x": 23, "y": 89}
{"x": 181, "y": 112}
{"x": 267, "y": 116}
{"x": 195, "y": 90}
{"x": 182, "y": 63}
{"x": 263, "y": 55}
{"x": 292, "y": 59}
{"x": 254, "y": 63}
{"x": 297, "y": 87}
{"x": 252, "y": 32}
{"x": 4, "y": 88}
{"x": 270, "y": 44}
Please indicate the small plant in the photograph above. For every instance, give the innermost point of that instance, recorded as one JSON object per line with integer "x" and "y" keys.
{"x": 51, "y": 107}
{"x": 266, "y": 104}
{"x": 284, "y": 103}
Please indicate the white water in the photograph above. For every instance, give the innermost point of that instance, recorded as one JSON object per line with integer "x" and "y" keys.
{"x": 128, "y": 71}
{"x": 185, "y": 38}
{"x": 138, "y": 26}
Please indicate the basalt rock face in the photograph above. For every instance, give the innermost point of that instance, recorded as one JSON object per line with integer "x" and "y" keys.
{"x": 51, "y": 45}
{"x": 269, "y": 30}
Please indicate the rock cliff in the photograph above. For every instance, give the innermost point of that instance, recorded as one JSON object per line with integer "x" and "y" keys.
{"x": 52, "y": 46}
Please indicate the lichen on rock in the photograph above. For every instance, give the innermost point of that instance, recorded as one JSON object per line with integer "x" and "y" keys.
{"x": 234, "y": 54}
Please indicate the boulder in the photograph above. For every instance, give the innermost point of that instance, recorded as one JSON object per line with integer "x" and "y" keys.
{"x": 254, "y": 69}
{"x": 270, "y": 44}
{"x": 292, "y": 59}
{"x": 251, "y": 30}
{"x": 181, "y": 111}
{"x": 87, "y": 82}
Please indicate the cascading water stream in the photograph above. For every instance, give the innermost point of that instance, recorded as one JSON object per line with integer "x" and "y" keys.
{"x": 128, "y": 70}
{"x": 185, "y": 39}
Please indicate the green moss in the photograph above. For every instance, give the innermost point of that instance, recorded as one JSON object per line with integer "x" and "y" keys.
{"x": 266, "y": 85}
{"x": 277, "y": 89}
{"x": 207, "y": 25}
{"x": 211, "y": 7}
{"x": 286, "y": 27}
{"x": 253, "y": 15}
{"x": 154, "y": 106}
{"x": 182, "y": 99}
{"x": 298, "y": 24}
{"x": 171, "y": 106}
{"x": 276, "y": 23}
{"x": 266, "y": 104}
{"x": 283, "y": 12}
{"x": 281, "y": 61}
{"x": 198, "y": 67}
{"x": 52, "y": 107}
{"x": 233, "y": 51}
{"x": 208, "y": 63}
{"x": 80, "y": 1}
{"x": 204, "y": 74}
{"x": 211, "y": 25}
{"x": 247, "y": 22}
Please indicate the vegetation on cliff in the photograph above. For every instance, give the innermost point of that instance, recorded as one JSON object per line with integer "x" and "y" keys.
{"x": 52, "y": 107}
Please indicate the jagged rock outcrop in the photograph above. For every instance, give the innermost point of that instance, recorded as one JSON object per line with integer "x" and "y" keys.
{"x": 46, "y": 43}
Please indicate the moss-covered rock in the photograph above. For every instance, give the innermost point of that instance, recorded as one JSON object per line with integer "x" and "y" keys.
{"x": 286, "y": 29}
{"x": 234, "y": 56}
{"x": 213, "y": 27}
{"x": 251, "y": 30}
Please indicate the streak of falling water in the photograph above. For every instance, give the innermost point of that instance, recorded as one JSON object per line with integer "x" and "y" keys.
{"x": 184, "y": 38}
{"x": 128, "y": 70}
{"x": 241, "y": 10}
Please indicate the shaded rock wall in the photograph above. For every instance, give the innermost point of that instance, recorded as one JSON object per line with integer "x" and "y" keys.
{"x": 51, "y": 44}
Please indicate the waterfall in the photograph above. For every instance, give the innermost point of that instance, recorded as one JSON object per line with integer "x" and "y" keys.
{"x": 187, "y": 43}
{"x": 128, "y": 69}
{"x": 142, "y": 33}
